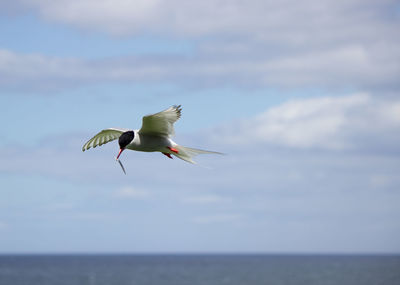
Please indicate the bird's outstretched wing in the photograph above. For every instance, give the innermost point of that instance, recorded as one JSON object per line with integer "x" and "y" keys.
{"x": 161, "y": 123}
{"x": 103, "y": 137}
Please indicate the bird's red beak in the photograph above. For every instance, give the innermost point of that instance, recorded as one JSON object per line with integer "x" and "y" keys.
{"x": 120, "y": 151}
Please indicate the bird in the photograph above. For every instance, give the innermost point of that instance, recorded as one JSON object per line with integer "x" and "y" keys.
{"x": 154, "y": 135}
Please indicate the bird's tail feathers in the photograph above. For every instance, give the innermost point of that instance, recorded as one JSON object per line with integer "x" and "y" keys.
{"x": 187, "y": 153}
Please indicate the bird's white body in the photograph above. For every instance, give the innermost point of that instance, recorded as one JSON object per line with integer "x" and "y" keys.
{"x": 154, "y": 135}
{"x": 149, "y": 143}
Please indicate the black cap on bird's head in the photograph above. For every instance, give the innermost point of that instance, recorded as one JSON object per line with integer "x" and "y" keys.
{"x": 125, "y": 139}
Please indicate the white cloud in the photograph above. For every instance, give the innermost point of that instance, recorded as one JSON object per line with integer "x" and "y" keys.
{"x": 242, "y": 43}
{"x": 35, "y": 71}
{"x": 357, "y": 121}
{"x": 132, "y": 193}
{"x": 262, "y": 18}
{"x": 119, "y": 17}
{"x": 335, "y": 69}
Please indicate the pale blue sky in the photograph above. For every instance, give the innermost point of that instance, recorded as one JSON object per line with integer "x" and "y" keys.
{"x": 302, "y": 97}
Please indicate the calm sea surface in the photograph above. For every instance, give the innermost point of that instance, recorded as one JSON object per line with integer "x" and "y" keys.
{"x": 198, "y": 269}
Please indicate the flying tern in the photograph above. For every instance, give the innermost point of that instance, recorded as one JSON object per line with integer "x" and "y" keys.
{"x": 154, "y": 135}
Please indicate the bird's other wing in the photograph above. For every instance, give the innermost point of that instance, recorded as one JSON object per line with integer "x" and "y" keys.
{"x": 161, "y": 123}
{"x": 103, "y": 137}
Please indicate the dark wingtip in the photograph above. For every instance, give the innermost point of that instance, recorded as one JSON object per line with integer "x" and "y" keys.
{"x": 178, "y": 110}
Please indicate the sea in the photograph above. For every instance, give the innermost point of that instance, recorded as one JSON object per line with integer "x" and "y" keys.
{"x": 196, "y": 269}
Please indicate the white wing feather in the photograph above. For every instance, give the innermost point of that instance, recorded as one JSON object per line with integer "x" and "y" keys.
{"x": 103, "y": 137}
{"x": 161, "y": 123}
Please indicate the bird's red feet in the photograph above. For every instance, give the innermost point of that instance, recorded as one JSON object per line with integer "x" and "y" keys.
{"x": 167, "y": 154}
{"x": 173, "y": 149}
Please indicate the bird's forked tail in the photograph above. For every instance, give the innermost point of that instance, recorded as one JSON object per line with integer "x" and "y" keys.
{"x": 187, "y": 153}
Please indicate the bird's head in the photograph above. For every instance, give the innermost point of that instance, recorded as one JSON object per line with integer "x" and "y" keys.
{"x": 125, "y": 139}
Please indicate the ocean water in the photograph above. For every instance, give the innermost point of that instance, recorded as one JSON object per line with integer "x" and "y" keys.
{"x": 198, "y": 269}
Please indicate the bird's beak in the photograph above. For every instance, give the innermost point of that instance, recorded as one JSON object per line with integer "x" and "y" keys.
{"x": 120, "y": 151}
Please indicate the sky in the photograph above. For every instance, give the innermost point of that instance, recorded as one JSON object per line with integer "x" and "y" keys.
{"x": 303, "y": 97}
